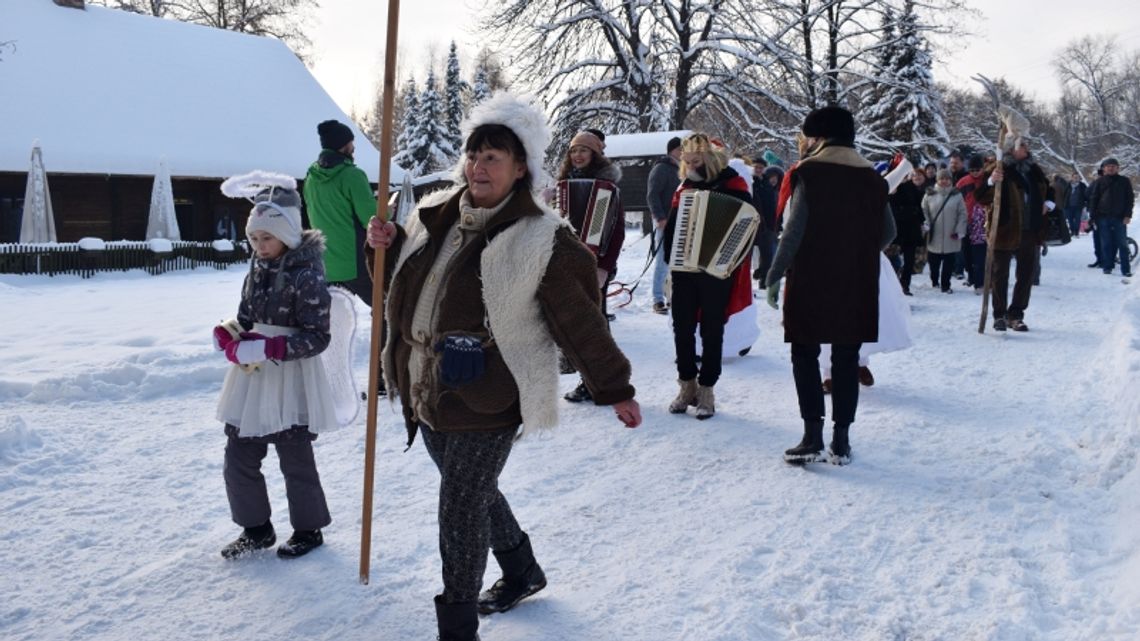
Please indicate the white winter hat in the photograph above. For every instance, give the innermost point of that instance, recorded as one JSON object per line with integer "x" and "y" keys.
{"x": 522, "y": 116}
{"x": 276, "y": 204}
{"x": 1016, "y": 128}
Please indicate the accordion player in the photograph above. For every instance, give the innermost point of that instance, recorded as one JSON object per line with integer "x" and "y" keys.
{"x": 714, "y": 232}
{"x": 593, "y": 208}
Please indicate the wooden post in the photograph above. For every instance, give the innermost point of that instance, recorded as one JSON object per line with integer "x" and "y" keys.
{"x": 378, "y": 289}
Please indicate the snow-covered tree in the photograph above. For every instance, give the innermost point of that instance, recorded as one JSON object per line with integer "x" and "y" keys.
{"x": 426, "y": 144}
{"x": 908, "y": 112}
{"x": 879, "y": 110}
{"x": 752, "y": 67}
{"x": 453, "y": 88}
{"x": 480, "y": 88}
{"x": 410, "y": 101}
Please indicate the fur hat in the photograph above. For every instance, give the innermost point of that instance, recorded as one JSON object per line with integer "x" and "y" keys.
{"x": 334, "y": 134}
{"x": 1016, "y": 128}
{"x": 276, "y": 204}
{"x": 590, "y": 141}
{"x": 830, "y": 123}
{"x": 673, "y": 143}
{"x": 1109, "y": 161}
{"x": 522, "y": 117}
{"x": 976, "y": 162}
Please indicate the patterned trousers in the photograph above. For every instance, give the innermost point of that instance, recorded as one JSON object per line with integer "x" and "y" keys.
{"x": 473, "y": 515}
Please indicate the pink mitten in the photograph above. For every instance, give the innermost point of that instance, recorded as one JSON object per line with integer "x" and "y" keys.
{"x": 254, "y": 348}
{"x": 225, "y": 333}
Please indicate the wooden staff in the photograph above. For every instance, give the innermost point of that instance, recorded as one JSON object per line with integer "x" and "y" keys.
{"x": 378, "y": 288}
{"x": 991, "y": 232}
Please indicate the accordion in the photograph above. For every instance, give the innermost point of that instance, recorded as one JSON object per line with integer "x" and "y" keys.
{"x": 591, "y": 206}
{"x": 713, "y": 233}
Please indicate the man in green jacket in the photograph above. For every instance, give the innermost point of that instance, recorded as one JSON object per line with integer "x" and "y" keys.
{"x": 340, "y": 201}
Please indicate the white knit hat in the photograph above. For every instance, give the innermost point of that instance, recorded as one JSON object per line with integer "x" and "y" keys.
{"x": 522, "y": 116}
{"x": 277, "y": 205}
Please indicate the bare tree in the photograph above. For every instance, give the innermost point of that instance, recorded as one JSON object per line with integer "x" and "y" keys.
{"x": 1089, "y": 63}
{"x": 281, "y": 19}
{"x": 156, "y": 8}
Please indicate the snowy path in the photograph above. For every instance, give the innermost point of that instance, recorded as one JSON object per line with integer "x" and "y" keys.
{"x": 993, "y": 496}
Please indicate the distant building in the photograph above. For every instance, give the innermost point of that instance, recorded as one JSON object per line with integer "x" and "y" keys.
{"x": 108, "y": 93}
{"x": 636, "y": 154}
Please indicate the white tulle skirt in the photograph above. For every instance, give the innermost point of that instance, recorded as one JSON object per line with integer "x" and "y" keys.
{"x": 894, "y": 319}
{"x": 277, "y": 396}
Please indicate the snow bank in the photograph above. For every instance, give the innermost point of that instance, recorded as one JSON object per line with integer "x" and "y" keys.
{"x": 16, "y": 439}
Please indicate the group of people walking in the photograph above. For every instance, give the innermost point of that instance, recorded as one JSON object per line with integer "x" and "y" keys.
{"x": 487, "y": 287}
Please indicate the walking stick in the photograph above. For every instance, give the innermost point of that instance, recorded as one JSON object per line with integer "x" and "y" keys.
{"x": 991, "y": 233}
{"x": 378, "y": 288}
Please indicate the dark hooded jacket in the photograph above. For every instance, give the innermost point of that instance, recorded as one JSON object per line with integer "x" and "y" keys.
{"x": 290, "y": 291}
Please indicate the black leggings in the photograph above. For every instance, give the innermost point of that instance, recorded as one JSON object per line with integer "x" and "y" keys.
{"x": 697, "y": 293}
{"x": 473, "y": 514}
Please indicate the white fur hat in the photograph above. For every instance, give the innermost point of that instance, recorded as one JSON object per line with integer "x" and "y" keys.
{"x": 1016, "y": 128}
{"x": 276, "y": 204}
{"x": 522, "y": 116}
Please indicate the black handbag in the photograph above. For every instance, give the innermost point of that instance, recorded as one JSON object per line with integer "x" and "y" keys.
{"x": 1056, "y": 228}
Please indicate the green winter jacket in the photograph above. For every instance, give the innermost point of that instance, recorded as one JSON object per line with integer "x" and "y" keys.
{"x": 340, "y": 202}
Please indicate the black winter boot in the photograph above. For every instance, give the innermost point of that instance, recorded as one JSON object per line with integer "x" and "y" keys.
{"x": 579, "y": 394}
{"x": 301, "y": 543}
{"x": 522, "y": 577}
{"x": 457, "y": 621}
{"x": 839, "y": 452}
{"x": 251, "y": 540}
{"x": 810, "y": 449}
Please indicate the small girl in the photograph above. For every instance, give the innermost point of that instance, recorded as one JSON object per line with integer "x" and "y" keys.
{"x": 276, "y": 392}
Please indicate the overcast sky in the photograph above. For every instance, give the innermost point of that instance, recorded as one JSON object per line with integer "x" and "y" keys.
{"x": 1016, "y": 39}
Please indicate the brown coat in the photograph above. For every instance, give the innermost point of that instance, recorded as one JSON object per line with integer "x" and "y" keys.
{"x": 568, "y": 296}
{"x": 1013, "y": 204}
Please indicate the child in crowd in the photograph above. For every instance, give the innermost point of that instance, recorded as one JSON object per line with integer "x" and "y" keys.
{"x": 276, "y": 392}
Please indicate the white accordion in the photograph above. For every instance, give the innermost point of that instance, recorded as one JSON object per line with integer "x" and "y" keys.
{"x": 591, "y": 206}
{"x": 713, "y": 233}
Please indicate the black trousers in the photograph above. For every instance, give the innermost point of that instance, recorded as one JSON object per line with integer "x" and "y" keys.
{"x": 907, "y": 253}
{"x": 697, "y": 293}
{"x": 473, "y": 515}
{"x": 941, "y": 269}
{"x": 1026, "y": 255}
{"x": 844, "y": 381}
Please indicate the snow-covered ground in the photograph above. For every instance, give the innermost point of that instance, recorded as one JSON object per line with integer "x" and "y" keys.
{"x": 995, "y": 491}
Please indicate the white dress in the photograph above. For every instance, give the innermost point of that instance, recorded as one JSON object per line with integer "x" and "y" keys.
{"x": 894, "y": 319}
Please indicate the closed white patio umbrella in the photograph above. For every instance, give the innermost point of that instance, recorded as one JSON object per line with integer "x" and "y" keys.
{"x": 38, "y": 224}
{"x": 162, "y": 221}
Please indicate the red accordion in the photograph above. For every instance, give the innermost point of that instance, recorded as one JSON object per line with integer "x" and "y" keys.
{"x": 591, "y": 206}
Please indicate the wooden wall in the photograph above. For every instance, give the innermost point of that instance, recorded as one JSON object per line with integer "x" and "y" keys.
{"x": 116, "y": 207}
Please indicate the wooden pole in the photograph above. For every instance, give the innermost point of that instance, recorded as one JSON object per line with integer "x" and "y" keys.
{"x": 378, "y": 289}
{"x": 991, "y": 237}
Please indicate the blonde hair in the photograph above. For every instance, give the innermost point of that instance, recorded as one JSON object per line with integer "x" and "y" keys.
{"x": 712, "y": 152}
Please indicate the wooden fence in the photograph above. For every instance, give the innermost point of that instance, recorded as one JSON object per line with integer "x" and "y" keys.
{"x": 70, "y": 258}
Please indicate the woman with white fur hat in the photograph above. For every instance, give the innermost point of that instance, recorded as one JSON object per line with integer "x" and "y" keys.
{"x": 486, "y": 285}
{"x": 277, "y": 391}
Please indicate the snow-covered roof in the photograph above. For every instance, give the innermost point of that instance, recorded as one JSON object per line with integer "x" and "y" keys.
{"x": 110, "y": 92}
{"x": 640, "y": 145}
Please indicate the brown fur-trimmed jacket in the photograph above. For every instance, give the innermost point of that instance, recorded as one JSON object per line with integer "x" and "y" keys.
{"x": 567, "y": 297}
{"x": 1022, "y": 204}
